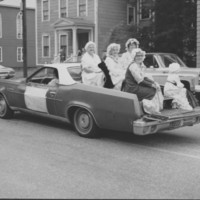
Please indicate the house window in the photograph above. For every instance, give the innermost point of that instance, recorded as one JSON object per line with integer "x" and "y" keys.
{"x": 1, "y": 55}
{"x": 63, "y": 8}
{"x": 19, "y": 54}
{"x": 45, "y": 10}
{"x": 46, "y": 45}
{"x": 19, "y": 26}
{"x": 130, "y": 15}
{"x": 63, "y": 47}
{"x": 145, "y": 9}
{"x": 0, "y": 26}
{"x": 82, "y": 8}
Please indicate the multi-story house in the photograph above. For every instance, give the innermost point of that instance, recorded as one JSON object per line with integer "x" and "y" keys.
{"x": 68, "y": 25}
{"x": 11, "y": 35}
{"x": 198, "y": 33}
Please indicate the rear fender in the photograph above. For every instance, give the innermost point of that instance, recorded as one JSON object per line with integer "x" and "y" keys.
{"x": 3, "y": 94}
{"x": 76, "y": 105}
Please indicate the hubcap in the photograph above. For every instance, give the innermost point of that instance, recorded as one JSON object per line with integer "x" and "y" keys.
{"x": 2, "y": 106}
{"x": 84, "y": 121}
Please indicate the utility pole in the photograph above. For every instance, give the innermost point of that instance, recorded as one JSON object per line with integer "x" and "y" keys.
{"x": 24, "y": 38}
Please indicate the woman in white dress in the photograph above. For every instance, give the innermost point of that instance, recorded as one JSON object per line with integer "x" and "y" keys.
{"x": 117, "y": 73}
{"x": 91, "y": 73}
{"x": 126, "y": 58}
{"x": 175, "y": 89}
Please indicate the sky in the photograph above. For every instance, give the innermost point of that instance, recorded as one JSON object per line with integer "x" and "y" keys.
{"x": 29, "y": 3}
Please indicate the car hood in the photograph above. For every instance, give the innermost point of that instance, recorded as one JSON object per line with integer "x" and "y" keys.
{"x": 190, "y": 70}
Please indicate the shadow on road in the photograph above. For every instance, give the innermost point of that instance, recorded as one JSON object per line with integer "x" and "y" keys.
{"x": 45, "y": 121}
{"x": 156, "y": 140}
{"x": 168, "y": 137}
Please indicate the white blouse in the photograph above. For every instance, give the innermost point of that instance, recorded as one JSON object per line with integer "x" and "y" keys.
{"x": 96, "y": 76}
{"x": 137, "y": 72}
{"x": 116, "y": 71}
{"x": 91, "y": 62}
{"x": 126, "y": 60}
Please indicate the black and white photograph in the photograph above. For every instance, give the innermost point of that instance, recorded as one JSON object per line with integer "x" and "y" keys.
{"x": 99, "y": 99}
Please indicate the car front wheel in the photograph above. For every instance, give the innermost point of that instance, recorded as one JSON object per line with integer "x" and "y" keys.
{"x": 84, "y": 123}
{"x": 5, "y": 111}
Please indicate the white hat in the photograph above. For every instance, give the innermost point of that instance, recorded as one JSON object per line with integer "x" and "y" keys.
{"x": 174, "y": 67}
{"x": 132, "y": 41}
{"x": 88, "y": 44}
{"x": 136, "y": 51}
{"x": 111, "y": 47}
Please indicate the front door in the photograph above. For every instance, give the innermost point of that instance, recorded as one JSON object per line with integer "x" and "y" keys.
{"x": 63, "y": 47}
{"x": 83, "y": 38}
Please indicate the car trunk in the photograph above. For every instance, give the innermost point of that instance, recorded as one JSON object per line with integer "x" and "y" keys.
{"x": 168, "y": 119}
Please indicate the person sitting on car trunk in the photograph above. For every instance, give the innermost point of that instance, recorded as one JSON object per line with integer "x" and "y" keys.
{"x": 126, "y": 58}
{"x": 175, "y": 89}
{"x": 113, "y": 64}
{"x": 91, "y": 73}
{"x": 146, "y": 89}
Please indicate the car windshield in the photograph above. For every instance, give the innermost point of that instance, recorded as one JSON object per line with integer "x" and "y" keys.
{"x": 171, "y": 58}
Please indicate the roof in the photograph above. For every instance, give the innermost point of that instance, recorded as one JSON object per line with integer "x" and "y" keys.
{"x": 64, "y": 76}
{"x": 59, "y": 65}
{"x": 72, "y": 22}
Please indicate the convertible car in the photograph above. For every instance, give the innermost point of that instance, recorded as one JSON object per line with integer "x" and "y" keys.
{"x": 88, "y": 108}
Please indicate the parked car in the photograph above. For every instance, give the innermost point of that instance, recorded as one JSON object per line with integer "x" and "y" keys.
{"x": 88, "y": 108}
{"x": 157, "y": 65}
{"x": 6, "y": 72}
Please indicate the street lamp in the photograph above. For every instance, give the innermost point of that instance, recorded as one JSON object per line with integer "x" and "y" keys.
{"x": 23, "y": 10}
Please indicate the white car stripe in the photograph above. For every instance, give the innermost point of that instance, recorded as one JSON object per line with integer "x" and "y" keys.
{"x": 35, "y": 99}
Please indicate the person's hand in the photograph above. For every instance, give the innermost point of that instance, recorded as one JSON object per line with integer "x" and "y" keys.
{"x": 156, "y": 86}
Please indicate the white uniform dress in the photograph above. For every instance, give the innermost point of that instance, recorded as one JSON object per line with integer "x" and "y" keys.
{"x": 126, "y": 60}
{"x": 175, "y": 89}
{"x": 117, "y": 73}
{"x": 96, "y": 77}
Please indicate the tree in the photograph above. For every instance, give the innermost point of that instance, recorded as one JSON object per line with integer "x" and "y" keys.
{"x": 175, "y": 28}
{"x": 172, "y": 29}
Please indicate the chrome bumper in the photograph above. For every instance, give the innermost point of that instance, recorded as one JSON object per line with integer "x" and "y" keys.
{"x": 141, "y": 127}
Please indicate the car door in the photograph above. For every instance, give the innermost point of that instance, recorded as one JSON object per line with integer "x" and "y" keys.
{"x": 38, "y": 95}
{"x": 35, "y": 97}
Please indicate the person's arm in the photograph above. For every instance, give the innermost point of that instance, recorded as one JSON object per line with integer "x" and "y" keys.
{"x": 178, "y": 81}
{"x": 148, "y": 80}
{"x": 147, "y": 83}
{"x": 110, "y": 65}
{"x": 86, "y": 65}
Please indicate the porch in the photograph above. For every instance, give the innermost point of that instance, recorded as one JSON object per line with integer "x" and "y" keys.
{"x": 71, "y": 35}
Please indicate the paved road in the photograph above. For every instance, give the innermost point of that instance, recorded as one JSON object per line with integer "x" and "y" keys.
{"x": 42, "y": 158}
